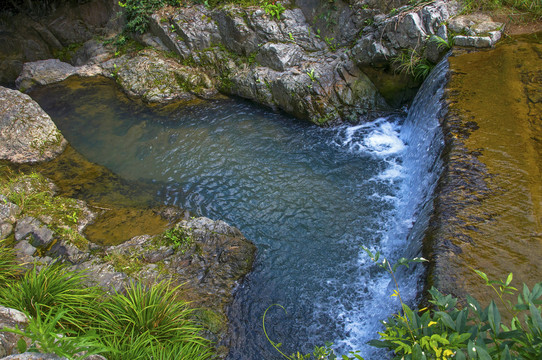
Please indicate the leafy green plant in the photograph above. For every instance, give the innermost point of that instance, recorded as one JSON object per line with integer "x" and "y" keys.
{"x": 51, "y": 289}
{"x": 150, "y": 320}
{"x": 532, "y": 7}
{"x": 47, "y": 336}
{"x": 472, "y": 332}
{"x": 273, "y": 9}
{"x": 412, "y": 63}
{"x": 442, "y": 44}
{"x": 311, "y": 74}
{"x": 179, "y": 238}
{"x": 331, "y": 43}
{"x": 138, "y": 12}
{"x": 8, "y": 267}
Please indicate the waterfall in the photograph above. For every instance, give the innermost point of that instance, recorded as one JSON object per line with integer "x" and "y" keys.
{"x": 419, "y": 142}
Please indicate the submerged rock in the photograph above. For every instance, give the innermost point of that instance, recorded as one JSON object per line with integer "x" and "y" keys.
{"x": 27, "y": 133}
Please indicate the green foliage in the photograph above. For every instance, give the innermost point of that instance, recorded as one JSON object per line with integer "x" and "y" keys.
{"x": 52, "y": 290}
{"x": 66, "y": 317}
{"x": 32, "y": 193}
{"x": 472, "y": 332}
{"x": 179, "y": 238}
{"x": 331, "y": 43}
{"x": 311, "y": 74}
{"x": 138, "y": 12}
{"x": 273, "y": 9}
{"x": 147, "y": 323}
{"x": 442, "y": 44}
{"x": 532, "y": 7}
{"x": 8, "y": 267}
{"x": 47, "y": 336}
{"x": 410, "y": 62}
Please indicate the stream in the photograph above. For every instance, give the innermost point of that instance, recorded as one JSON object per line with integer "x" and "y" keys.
{"x": 308, "y": 197}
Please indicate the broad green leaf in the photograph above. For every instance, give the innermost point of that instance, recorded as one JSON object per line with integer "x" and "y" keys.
{"x": 459, "y": 355}
{"x": 446, "y": 319}
{"x": 535, "y": 315}
{"x": 494, "y": 317}
{"x": 482, "y": 275}
{"x": 417, "y": 353}
{"x": 509, "y": 279}
{"x": 505, "y": 355}
{"x": 482, "y": 353}
{"x": 21, "y": 345}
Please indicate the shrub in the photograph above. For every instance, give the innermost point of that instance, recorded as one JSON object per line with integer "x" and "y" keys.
{"x": 472, "y": 332}
{"x": 139, "y": 11}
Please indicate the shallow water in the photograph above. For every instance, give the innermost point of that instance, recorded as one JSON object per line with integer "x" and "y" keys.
{"x": 496, "y": 211}
{"x": 308, "y": 197}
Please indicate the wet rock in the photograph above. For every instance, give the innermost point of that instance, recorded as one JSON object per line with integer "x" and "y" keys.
{"x": 43, "y": 72}
{"x": 34, "y": 356}
{"x": 279, "y": 57}
{"x": 27, "y": 133}
{"x": 27, "y": 38}
{"x": 92, "y": 52}
{"x": 155, "y": 78}
{"x": 5, "y": 230}
{"x": 10, "y": 318}
{"x": 32, "y": 229}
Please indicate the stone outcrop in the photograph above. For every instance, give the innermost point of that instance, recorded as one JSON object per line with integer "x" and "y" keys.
{"x": 149, "y": 75}
{"x": 208, "y": 257}
{"x": 282, "y": 64}
{"x": 27, "y": 133}
{"x": 476, "y": 30}
{"x": 387, "y": 35}
{"x": 27, "y": 38}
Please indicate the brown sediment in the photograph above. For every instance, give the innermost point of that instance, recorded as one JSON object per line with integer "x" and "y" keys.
{"x": 489, "y": 202}
{"x": 124, "y": 209}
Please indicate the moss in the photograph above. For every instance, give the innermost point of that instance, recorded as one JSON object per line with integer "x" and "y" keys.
{"x": 66, "y": 53}
{"x": 34, "y": 196}
{"x": 213, "y": 321}
{"x": 124, "y": 263}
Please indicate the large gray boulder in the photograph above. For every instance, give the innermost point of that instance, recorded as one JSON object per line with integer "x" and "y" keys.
{"x": 27, "y": 133}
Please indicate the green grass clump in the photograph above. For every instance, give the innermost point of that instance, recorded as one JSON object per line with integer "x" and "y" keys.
{"x": 8, "y": 266}
{"x": 66, "y": 316}
{"x": 50, "y": 290}
{"x": 531, "y": 7}
{"x": 147, "y": 322}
